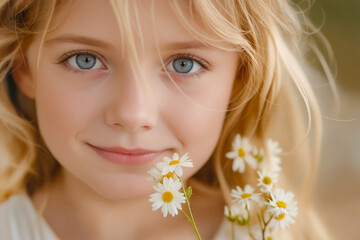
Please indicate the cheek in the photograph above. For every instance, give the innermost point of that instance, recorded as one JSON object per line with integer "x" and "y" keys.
{"x": 200, "y": 135}
{"x": 198, "y": 126}
{"x": 62, "y": 112}
{"x": 203, "y": 137}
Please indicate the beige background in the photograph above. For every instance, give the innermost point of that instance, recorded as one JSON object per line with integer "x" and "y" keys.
{"x": 338, "y": 188}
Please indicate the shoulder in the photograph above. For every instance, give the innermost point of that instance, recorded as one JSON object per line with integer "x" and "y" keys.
{"x": 19, "y": 220}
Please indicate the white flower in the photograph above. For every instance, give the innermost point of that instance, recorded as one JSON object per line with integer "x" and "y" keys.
{"x": 258, "y": 154}
{"x": 167, "y": 197}
{"x": 244, "y": 197}
{"x": 155, "y": 175}
{"x": 282, "y": 221}
{"x": 270, "y": 234}
{"x": 241, "y": 153}
{"x": 282, "y": 202}
{"x": 174, "y": 164}
{"x": 273, "y": 147}
{"x": 266, "y": 181}
{"x": 236, "y": 213}
{"x": 273, "y": 151}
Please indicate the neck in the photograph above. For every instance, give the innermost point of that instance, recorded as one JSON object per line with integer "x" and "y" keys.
{"x": 74, "y": 214}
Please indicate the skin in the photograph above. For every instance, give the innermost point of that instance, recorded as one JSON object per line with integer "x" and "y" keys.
{"x": 92, "y": 198}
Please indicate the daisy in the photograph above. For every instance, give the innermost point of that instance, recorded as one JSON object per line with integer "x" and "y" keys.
{"x": 174, "y": 164}
{"x": 236, "y": 213}
{"x": 282, "y": 221}
{"x": 274, "y": 151}
{"x": 167, "y": 197}
{"x": 282, "y": 202}
{"x": 258, "y": 154}
{"x": 241, "y": 153}
{"x": 270, "y": 234}
{"x": 244, "y": 197}
{"x": 157, "y": 177}
{"x": 266, "y": 181}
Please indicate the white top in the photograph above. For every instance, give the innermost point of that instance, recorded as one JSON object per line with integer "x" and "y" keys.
{"x": 19, "y": 220}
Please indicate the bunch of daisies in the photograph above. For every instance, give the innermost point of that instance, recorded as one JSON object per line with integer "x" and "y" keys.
{"x": 276, "y": 207}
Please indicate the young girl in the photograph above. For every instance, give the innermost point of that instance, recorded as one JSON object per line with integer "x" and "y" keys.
{"x": 94, "y": 93}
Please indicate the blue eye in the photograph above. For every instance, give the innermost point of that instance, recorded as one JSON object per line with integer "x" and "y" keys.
{"x": 184, "y": 65}
{"x": 85, "y": 61}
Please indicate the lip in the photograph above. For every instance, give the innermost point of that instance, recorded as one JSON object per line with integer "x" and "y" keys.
{"x": 123, "y": 156}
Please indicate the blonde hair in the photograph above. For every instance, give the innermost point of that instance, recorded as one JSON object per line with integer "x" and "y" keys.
{"x": 269, "y": 37}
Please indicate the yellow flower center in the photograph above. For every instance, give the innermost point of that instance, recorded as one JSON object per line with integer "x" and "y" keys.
{"x": 267, "y": 180}
{"x": 280, "y": 217}
{"x": 241, "y": 152}
{"x": 167, "y": 196}
{"x": 169, "y": 175}
{"x": 281, "y": 204}
{"x": 174, "y": 162}
{"x": 259, "y": 158}
{"x": 245, "y": 195}
{"x": 269, "y": 238}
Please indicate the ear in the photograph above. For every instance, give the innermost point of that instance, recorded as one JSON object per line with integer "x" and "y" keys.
{"x": 23, "y": 78}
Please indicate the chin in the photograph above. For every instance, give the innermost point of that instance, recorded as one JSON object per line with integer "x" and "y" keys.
{"x": 124, "y": 187}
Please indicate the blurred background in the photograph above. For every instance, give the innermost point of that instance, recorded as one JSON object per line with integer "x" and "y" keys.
{"x": 338, "y": 188}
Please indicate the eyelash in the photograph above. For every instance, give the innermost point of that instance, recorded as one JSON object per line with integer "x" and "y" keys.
{"x": 204, "y": 65}
{"x": 68, "y": 55}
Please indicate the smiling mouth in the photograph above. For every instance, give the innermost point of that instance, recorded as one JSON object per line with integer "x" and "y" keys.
{"x": 125, "y": 156}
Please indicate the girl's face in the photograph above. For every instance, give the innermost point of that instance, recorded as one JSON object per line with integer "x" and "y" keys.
{"x": 87, "y": 96}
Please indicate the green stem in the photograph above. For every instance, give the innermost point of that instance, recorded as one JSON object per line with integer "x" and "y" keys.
{"x": 265, "y": 225}
{"x": 260, "y": 220}
{"x": 187, "y": 217}
{"x": 249, "y": 219}
{"x": 250, "y": 233}
{"x": 192, "y": 221}
{"x": 232, "y": 231}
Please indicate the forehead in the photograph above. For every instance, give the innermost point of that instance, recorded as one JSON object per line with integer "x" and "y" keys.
{"x": 98, "y": 19}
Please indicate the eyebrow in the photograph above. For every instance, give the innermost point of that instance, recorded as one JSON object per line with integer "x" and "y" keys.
{"x": 184, "y": 45}
{"x": 98, "y": 43}
{"x": 78, "y": 39}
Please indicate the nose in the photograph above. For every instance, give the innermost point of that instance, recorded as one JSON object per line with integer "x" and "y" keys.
{"x": 132, "y": 106}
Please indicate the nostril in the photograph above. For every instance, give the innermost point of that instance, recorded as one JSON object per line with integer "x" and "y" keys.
{"x": 130, "y": 122}
{"x": 147, "y": 127}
